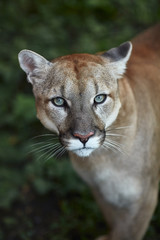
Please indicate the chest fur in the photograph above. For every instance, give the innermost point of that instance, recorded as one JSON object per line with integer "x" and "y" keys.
{"x": 115, "y": 186}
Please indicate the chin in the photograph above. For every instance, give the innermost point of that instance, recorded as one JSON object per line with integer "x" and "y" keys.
{"x": 84, "y": 152}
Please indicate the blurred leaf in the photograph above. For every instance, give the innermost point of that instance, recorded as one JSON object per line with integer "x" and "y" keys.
{"x": 10, "y": 182}
{"x": 42, "y": 186}
{"x": 24, "y": 109}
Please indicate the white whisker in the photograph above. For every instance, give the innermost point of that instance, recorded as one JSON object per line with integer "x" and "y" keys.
{"x": 63, "y": 150}
{"x": 47, "y": 148}
{"x": 43, "y": 143}
{"x": 109, "y": 148}
{"x": 115, "y": 135}
{"x": 46, "y": 135}
{"x": 43, "y": 148}
{"x": 53, "y": 153}
{"x": 109, "y": 143}
{"x": 118, "y": 128}
{"x": 113, "y": 147}
{"x": 51, "y": 149}
{"x": 115, "y": 143}
{"x": 116, "y": 147}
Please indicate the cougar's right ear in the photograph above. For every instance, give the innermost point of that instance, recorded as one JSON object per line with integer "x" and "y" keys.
{"x": 34, "y": 65}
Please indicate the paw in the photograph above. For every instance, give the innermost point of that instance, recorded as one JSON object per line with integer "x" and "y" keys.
{"x": 102, "y": 238}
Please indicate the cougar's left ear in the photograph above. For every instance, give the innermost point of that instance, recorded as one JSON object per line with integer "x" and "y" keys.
{"x": 118, "y": 58}
{"x": 34, "y": 65}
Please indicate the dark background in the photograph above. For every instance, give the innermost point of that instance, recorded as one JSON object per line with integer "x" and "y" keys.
{"x": 45, "y": 199}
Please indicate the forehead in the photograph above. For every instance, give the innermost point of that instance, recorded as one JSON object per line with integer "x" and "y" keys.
{"x": 81, "y": 71}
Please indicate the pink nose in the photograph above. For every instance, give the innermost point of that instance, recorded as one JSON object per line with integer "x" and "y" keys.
{"x": 83, "y": 138}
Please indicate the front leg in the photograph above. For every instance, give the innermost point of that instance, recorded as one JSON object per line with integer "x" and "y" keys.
{"x": 130, "y": 222}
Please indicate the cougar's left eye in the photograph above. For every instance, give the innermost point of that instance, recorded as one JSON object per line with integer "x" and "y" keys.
{"x": 58, "y": 102}
{"x": 100, "y": 98}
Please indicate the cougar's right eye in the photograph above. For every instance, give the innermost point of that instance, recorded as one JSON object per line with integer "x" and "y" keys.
{"x": 100, "y": 98}
{"x": 58, "y": 102}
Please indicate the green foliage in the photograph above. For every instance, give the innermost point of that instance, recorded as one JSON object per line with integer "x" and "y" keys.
{"x": 47, "y": 200}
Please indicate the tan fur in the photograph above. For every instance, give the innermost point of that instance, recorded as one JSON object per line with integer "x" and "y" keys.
{"x": 125, "y": 185}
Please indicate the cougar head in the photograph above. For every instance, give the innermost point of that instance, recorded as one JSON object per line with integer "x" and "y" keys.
{"x": 77, "y": 95}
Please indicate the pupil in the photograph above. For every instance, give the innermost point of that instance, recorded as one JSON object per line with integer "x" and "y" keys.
{"x": 99, "y": 98}
{"x": 59, "y": 101}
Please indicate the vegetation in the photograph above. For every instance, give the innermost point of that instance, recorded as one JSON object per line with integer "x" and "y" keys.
{"x": 45, "y": 199}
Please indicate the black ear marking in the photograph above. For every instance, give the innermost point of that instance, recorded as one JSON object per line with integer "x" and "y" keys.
{"x": 118, "y": 53}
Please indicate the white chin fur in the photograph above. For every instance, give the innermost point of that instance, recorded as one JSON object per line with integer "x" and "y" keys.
{"x": 84, "y": 152}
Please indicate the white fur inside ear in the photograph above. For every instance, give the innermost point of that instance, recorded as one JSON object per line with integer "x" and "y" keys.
{"x": 33, "y": 64}
{"x": 117, "y": 69}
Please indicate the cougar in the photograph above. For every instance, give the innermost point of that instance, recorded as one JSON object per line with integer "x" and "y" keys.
{"x": 105, "y": 108}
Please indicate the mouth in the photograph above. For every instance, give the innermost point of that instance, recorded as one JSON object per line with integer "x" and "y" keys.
{"x": 83, "y": 152}
{"x": 81, "y": 149}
